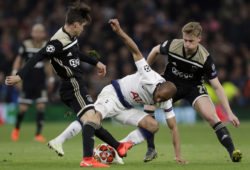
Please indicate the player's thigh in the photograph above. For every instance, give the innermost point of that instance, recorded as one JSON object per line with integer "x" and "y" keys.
{"x": 107, "y": 103}
{"x": 149, "y": 123}
{"x": 90, "y": 116}
{"x": 130, "y": 117}
{"x": 206, "y": 109}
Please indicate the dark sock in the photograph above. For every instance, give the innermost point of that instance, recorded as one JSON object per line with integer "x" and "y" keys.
{"x": 39, "y": 120}
{"x": 105, "y": 136}
{"x": 88, "y": 133}
{"x": 19, "y": 120}
{"x": 224, "y": 137}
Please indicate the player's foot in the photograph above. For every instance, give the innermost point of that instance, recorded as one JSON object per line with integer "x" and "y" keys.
{"x": 236, "y": 156}
{"x": 57, "y": 147}
{"x": 15, "y": 134}
{"x": 123, "y": 148}
{"x": 150, "y": 155}
{"x": 91, "y": 162}
{"x": 39, "y": 138}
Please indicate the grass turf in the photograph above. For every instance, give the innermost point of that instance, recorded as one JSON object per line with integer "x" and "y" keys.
{"x": 199, "y": 146}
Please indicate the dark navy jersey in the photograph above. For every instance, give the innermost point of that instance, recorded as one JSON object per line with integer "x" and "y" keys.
{"x": 184, "y": 70}
{"x": 27, "y": 50}
{"x": 63, "y": 52}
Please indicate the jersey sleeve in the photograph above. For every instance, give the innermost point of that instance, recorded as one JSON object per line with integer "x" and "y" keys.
{"x": 52, "y": 48}
{"x": 167, "y": 108}
{"x": 209, "y": 69}
{"x": 87, "y": 59}
{"x": 21, "y": 50}
{"x": 164, "y": 47}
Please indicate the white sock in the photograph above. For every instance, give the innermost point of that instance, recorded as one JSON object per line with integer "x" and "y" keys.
{"x": 135, "y": 136}
{"x": 72, "y": 130}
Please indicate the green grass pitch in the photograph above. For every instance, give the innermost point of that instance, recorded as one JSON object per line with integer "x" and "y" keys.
{"x": 199, "y": 146}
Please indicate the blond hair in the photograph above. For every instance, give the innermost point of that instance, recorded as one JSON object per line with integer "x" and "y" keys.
{"x": 193, "y": 28}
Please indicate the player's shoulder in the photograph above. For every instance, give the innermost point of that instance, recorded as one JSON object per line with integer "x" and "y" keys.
{"x": 27, "y": 43}
{"x": 201, "y": 55}
{"x": 62, "y": 37}
{"x": 176, "y": 46}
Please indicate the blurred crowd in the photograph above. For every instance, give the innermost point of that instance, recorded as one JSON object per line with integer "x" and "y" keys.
{"x": 225, "y": 23}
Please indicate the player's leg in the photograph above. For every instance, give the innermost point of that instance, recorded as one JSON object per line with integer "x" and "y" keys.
{"x": 20, "y": 115}
{"x": 39, "y": 122}
{"x": 151, "y": 152}
{"x": 72, "y": 130}
{"x": 206, "y": 108}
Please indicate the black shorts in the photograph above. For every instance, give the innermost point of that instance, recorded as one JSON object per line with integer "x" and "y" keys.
{"x": 75, "y": 95}
{"x": 37, "y": 95}
{"x": 191, "y": 91}
{"x": 191, "y": 94}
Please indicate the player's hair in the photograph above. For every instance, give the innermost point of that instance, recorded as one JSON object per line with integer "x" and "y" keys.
{"x": 193, "y": 28}
{"x": 78, "y": 12}
{"x": 38, "y": 26}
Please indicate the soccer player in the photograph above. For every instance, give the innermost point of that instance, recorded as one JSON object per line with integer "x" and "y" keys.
{"x": 188, "y": 65}
{"x": 118, "y": 99}
{"x": 63, "y": 52}
{"x": 33, "y": 91}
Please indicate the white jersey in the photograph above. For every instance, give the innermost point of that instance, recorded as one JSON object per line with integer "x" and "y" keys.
{"x": 138, "y": 88}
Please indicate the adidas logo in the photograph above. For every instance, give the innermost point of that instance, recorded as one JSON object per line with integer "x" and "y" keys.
{"x": 69, "y": 54}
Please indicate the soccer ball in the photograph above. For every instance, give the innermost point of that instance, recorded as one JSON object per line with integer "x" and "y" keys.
{"x": 104, "y": 153}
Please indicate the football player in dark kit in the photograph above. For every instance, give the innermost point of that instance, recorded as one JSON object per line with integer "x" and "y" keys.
{"x": 188, "y": 65}
{"x": 63, "y": 51}
{"x": 33, "y": 91}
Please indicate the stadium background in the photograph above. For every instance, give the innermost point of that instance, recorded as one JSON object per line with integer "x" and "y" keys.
{"x": 148, "y": 22}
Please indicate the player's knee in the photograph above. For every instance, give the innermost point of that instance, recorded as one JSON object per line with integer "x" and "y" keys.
{"x": 23, "y": 107}
{"x": 154, "y": 126}
{"x": 90, "y": 118}
{"x": 40, "y": 107}
{"x": 150, "y": 124}
{"x": 95, "y": 125}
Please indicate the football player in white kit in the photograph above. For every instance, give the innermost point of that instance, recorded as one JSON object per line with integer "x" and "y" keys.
{"x": 118, "y": 99}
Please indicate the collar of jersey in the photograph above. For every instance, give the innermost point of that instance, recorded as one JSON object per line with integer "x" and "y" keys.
{"x": 71, "y": 38}
{"x": 184, "y": 53}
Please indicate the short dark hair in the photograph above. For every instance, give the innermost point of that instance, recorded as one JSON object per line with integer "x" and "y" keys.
{"x": 78, "y": 12}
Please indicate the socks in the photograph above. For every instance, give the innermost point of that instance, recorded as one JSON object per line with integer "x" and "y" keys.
{"x": 40, "y": 120}
{"x": 88, "y": 139}
{"x": 72, "y": 130}
{"x": 224, "y": 137}
{"x": 19, "y": 120}
{"x": 105, "y": 136}
{"x": 136, "y": 136}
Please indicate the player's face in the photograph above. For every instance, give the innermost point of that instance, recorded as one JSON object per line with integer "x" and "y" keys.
{"x": 38, "y": 34}
{"x": 158, "y": 96}
{"x": 190, "y": 42}
{"x": 79, "y": 27}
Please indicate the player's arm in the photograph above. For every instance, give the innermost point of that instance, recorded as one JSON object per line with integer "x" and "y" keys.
{"x": 211, "y": 74}
{"x": 126, "y": 39}
{"x": 153, "y": 55}
{"x": 93, "y": 61}
{"x": 50, "y": 76}
{"x": 175, "y": 139}
{"x": 224, "y": 100}
{"x": 51, "y": 48}
{"x": 16, "y": 65}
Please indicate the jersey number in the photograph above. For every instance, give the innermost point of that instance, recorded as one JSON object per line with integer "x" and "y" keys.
{"x": 202, "y": 89}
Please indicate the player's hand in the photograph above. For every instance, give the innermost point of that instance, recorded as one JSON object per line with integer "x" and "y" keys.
{"x": 235, "y": 121}
{"x": 180, "y": 160}
{"x": 12, "y": 80}
{"x": 101, "y": 69}
{"x": 114, "y": 23}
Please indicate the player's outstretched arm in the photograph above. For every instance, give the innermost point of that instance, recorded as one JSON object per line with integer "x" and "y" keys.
{"x": 126, "y": 39}
{"x": 153, "y": 55}
{"x": 176, "y": 140}
{"x": 224, "y": 101}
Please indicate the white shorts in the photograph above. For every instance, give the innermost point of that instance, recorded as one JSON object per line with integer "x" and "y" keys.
{"x": 109, "y": 105}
